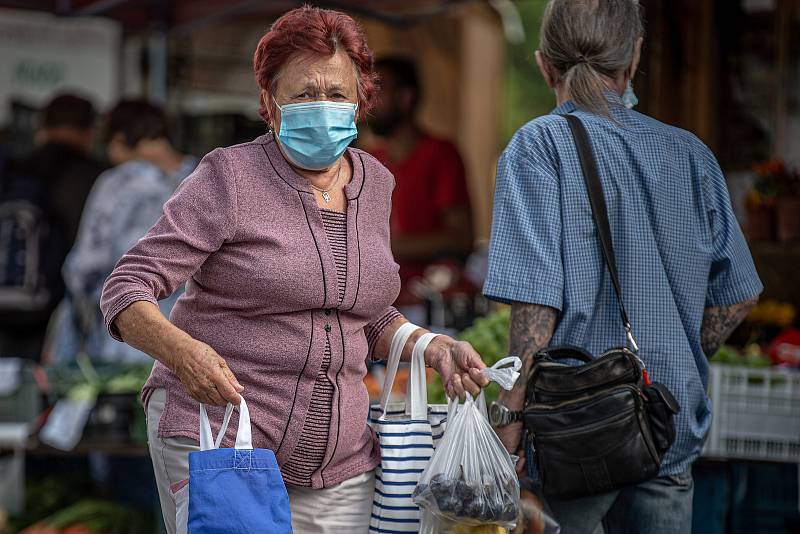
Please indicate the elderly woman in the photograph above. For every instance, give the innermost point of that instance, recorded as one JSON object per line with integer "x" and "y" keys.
{"x": 283, "y": 244}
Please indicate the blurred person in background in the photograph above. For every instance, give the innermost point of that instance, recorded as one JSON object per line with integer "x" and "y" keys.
{"x": 125, "y": 202}
{"x": 431, "y": 218}
{"x": 41, "y": 201}
{"x": 687, "y": 277}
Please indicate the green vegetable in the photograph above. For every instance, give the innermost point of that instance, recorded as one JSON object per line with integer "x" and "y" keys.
{"x": 728, "y": 355}
{"x": 101, "y": 517}
{"x": 83, "y": 391}
{"x": 751, "y": 357}
{"x": 128, "y": 382}
{"x": 489, "y": 337}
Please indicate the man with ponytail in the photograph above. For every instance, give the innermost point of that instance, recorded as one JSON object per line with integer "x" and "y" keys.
{"x": 687, "y": 276}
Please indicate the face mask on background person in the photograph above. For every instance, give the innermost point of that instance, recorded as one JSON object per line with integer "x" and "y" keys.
{"x": 314, "y": 135}
{"x": 629, "y": 97}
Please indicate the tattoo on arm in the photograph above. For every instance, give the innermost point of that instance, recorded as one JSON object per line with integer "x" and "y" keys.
{"x": 532, "y": 326}
{"x": 719, "y": 323}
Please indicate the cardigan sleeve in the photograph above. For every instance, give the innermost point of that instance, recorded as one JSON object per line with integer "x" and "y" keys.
{"x": 375, "y": 329}
{"x": 196, "y": 221}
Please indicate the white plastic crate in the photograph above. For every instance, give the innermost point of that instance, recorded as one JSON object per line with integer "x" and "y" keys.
{"x": 756, "y": 414}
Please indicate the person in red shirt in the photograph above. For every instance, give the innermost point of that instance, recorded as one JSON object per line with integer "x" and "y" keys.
{"x": 431, "y": 217}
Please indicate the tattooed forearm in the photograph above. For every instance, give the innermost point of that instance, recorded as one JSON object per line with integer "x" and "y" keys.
{"x": 719, "y": 323}
{"x": 531, "y": 328}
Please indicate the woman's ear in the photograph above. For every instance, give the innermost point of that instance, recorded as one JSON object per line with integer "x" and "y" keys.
{"x": 637, "y": 56}
{"x": 546, "y": 69}
{"x": 269, "y": 105}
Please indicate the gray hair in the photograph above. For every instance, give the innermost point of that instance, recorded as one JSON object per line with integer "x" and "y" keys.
{"x": 585, "y": 40}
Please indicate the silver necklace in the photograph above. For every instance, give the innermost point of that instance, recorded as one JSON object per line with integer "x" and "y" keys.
{"x": 326, "y": 192}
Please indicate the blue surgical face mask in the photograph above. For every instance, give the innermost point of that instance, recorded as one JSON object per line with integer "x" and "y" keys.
{"x": 629, "y": 97}
{"x": 314, "y": 135}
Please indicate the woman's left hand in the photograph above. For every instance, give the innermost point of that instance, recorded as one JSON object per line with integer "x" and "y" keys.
{"x": 458, "y": 364}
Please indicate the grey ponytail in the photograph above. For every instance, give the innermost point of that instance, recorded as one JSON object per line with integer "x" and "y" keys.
{"x": 585, "y": 40}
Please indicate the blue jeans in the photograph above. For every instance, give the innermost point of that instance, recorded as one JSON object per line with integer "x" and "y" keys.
{"x": 659, "y": 506}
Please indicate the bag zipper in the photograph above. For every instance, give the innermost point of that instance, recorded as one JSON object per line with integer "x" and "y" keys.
{"x": 639, "y": 397}
{"x": 587, "y": 428}
{"x": 614, "y": 383}
{"x": 550, "y": 407}
{"x": 593, "y": 364}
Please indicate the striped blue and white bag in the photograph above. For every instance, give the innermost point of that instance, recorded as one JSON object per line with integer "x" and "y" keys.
{"x": 408, "y": 433}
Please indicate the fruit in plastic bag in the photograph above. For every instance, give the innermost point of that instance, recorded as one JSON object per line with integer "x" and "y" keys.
{"x": 471, "y": 479}
{"x": 481, "y": 529}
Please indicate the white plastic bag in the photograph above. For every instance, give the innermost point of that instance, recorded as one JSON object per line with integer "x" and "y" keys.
{"x": 471, "y": 478}
{"x": 504, "y": 375}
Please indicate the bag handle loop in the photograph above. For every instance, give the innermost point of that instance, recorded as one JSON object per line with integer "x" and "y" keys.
{"x": 504, "y": 371}
{"x": 417, "y": 393}
{"x": 395, "y": 352}
{"x": 244, "y": 438}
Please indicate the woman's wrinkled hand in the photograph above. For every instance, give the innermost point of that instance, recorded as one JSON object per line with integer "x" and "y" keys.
{"x": 458, "y": 364}
{"x": 205, "y": 375}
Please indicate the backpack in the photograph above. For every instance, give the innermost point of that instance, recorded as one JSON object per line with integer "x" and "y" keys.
{"x": 31, "y": 245}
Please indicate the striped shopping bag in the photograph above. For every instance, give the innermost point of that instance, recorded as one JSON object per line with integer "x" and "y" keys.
{"x": 408, "y": 433}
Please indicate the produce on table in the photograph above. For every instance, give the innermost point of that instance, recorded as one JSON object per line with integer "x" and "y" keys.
{"x": 785, "y": 349}
{"x": 373, "y": 386}
{"x": 489, "y": 335}
{"x": 86, "y": 381}
{"x": 773, "y": 313}
{"x": 92, "y": 516}
{"x": 129, "y": 380}
{"x": 755, "y": 357}
{"x": 752, "y": 356}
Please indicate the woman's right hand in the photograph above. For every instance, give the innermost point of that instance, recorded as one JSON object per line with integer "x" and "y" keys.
{"x": 202, "y": 371}
{"x": 205, "y": 375}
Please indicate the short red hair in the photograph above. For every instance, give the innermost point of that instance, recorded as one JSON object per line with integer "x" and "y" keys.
{"x": 314, "y": 30}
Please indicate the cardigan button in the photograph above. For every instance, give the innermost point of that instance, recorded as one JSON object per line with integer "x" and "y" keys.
{"x": 328, "y": 311}
{"x": 327, "y": 328}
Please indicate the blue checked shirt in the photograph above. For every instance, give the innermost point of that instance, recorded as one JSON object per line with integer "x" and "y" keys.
{"x": 679, "y": 248}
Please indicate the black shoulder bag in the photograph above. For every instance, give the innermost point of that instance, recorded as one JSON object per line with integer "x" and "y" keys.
{"x": 600, "y": 425}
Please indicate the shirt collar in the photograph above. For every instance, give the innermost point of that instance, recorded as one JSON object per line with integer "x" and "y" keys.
{"x": 615, "y": 105}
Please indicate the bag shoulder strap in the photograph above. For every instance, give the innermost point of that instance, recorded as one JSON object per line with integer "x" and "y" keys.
{"x": 594, "y": 187}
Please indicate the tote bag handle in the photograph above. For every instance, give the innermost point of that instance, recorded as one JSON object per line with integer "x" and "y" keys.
{"x": 244, "y": 438}
{"x": 395, "y": 352}
{"x": 417, "y": 393}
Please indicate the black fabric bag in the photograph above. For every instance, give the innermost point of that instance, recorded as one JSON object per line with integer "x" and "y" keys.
{"x": 599, "y": 425}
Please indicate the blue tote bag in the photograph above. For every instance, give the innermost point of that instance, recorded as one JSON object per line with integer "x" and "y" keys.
{"x": 235, "y": 491}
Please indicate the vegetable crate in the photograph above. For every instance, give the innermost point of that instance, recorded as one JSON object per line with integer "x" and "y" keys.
{"x": 756, "y": 414}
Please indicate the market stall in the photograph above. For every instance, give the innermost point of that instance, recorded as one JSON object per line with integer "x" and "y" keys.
{"x": 75, "y": 457}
